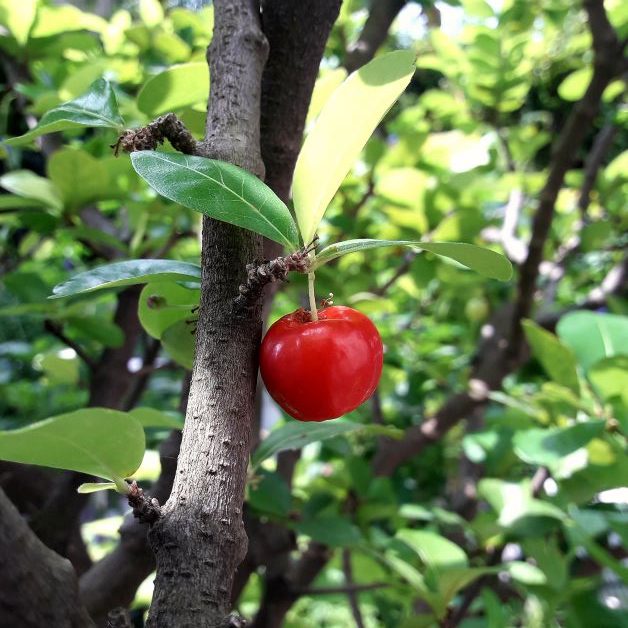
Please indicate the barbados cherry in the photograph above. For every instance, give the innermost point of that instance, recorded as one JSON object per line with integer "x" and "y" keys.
{"x": 320, "y": 370}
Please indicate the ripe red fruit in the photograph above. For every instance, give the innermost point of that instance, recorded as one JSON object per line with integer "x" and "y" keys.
{"x": 320, "y": 370}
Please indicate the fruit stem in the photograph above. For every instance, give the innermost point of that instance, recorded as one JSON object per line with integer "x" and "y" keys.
{"x": 310, "y": 285}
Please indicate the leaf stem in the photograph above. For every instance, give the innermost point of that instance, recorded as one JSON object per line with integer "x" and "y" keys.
{"x": 310, "y": 285}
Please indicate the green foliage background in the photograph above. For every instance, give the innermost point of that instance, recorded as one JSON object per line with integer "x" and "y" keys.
{"x": 468, "y": 141}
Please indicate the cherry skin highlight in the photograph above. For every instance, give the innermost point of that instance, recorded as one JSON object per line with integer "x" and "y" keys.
{"x": 320, "y": 370}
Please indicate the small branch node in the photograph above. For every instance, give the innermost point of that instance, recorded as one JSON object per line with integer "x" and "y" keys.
{"x": 145, "y": 508}
{"x": 166, "y": 127}
{"x": 261, "y": 274}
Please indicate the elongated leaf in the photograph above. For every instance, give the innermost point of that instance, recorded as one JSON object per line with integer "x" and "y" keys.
{"x": 18, "y": 17}
{"x": 174, "y": 88}
{"x": 481, "y": 260}
{"x": 28, "y": 185}
{"x": 94, "y": 487}
{"x": 127, "y": 274}
{"x": 342, "y": 129}
{"x": 434, "y": 549}
{"x": 294, "y": 435}
{"x": 518, "y": 511}
{"x": 550, "y": 446}
{"x": 526, "y": 573}
{"x": 558, "y": 360}
{"x": 593, "y": 336}
{"x": 101, "y": 442}
{"x": 98, "y": 107}
{"x": 219, "y": 190}
{"x": 80, "y": 177}
{"x": 149, "y": 417}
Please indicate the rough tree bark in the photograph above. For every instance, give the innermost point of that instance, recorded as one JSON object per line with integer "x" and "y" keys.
{"x": 200, "y": 539}
{"x": 37, "y": 587}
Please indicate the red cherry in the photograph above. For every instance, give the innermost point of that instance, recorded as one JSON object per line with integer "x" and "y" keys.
{"x": 320, "y": 370}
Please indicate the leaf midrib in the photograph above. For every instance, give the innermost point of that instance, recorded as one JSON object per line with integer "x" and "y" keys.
{"x": 225, "y": 187}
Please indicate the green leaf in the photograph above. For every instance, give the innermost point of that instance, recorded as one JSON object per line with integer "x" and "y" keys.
{"x": 127, "y": 274}
{"x": 526, "y": 573}
{"x": 97, "y": 441}
{"x": 593, "y": 336}
{"x": 94, "y": 487}
{"x": 80, "y": 177}
{"x": 558, "y": 361}
{"x": 548, "y": 447}
{"x": 58, "y": 370}
{"x": 179, "y": 343}
{"x": 17, "y": 203}
{"x": 330, "y": 530}
{"x": 574, "y": 86}
{"x": 29, "y": 185}
{"x": 177, "y": 87}
{"x": 97, "y": 328}
{"x": 98, "y": 107}
{"x": 610, "y": 378}
{"x": 219, "y": 190}
{"x": 481, "y": 260}
{"x": 410, "y": 574}
{"x": 325, "y": 86}
{"x": 270, "y": 495}
{"x": 295, "y": 435}
{"x": 342, "y": 129}
{"x": 151, "y": 13}
{"x": 518, "y": 511}
{"x": 434, "y": 550}
{"x": 149, "y": 417}
{"x": 449, "y": 582}
{"x": 163, "y": 304}
{"x": 57, "y": 20}
{"x": 18, "y": 17}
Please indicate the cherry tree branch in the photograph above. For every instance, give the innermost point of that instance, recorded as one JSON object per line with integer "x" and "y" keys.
{"x": 381, "y": 16}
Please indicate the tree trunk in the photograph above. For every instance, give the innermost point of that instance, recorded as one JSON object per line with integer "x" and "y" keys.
{"x": 200, "y": 539}
{"x": 37, "y": 587}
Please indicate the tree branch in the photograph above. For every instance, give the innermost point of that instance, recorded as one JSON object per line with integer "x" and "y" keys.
{"x": 199, "y": 540}
{"x": 57, "y": 331}
{"x": 374, "y": 33}
{"x": 37, "y": 587}
{"x": 351, "y": 593}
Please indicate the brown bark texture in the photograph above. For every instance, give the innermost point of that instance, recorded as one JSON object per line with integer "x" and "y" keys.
{"x": 200, "y": 539}
{"x": 37, "y": 587}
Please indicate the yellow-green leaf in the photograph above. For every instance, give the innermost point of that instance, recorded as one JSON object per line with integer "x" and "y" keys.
{"x": 345, "y": 124}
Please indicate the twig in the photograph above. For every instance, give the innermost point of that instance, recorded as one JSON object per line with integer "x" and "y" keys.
{"x": 601, "y": 146}
{"x": 538, "y": 480}
{"x": 374, "y": 33}
{"x": 141, "y": 377}
{"x": 351, "y": 595}
{"x": 57, "y": 331}
{"x": 166, "y": 127}
{"x": 261, "y": 274}
{"x": 145, "y": 509}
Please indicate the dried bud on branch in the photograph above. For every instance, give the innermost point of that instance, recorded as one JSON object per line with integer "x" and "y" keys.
{"x": 145, "y": 508}
{"x": 150, "y": 136}
{"x": 260, "y": 274}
